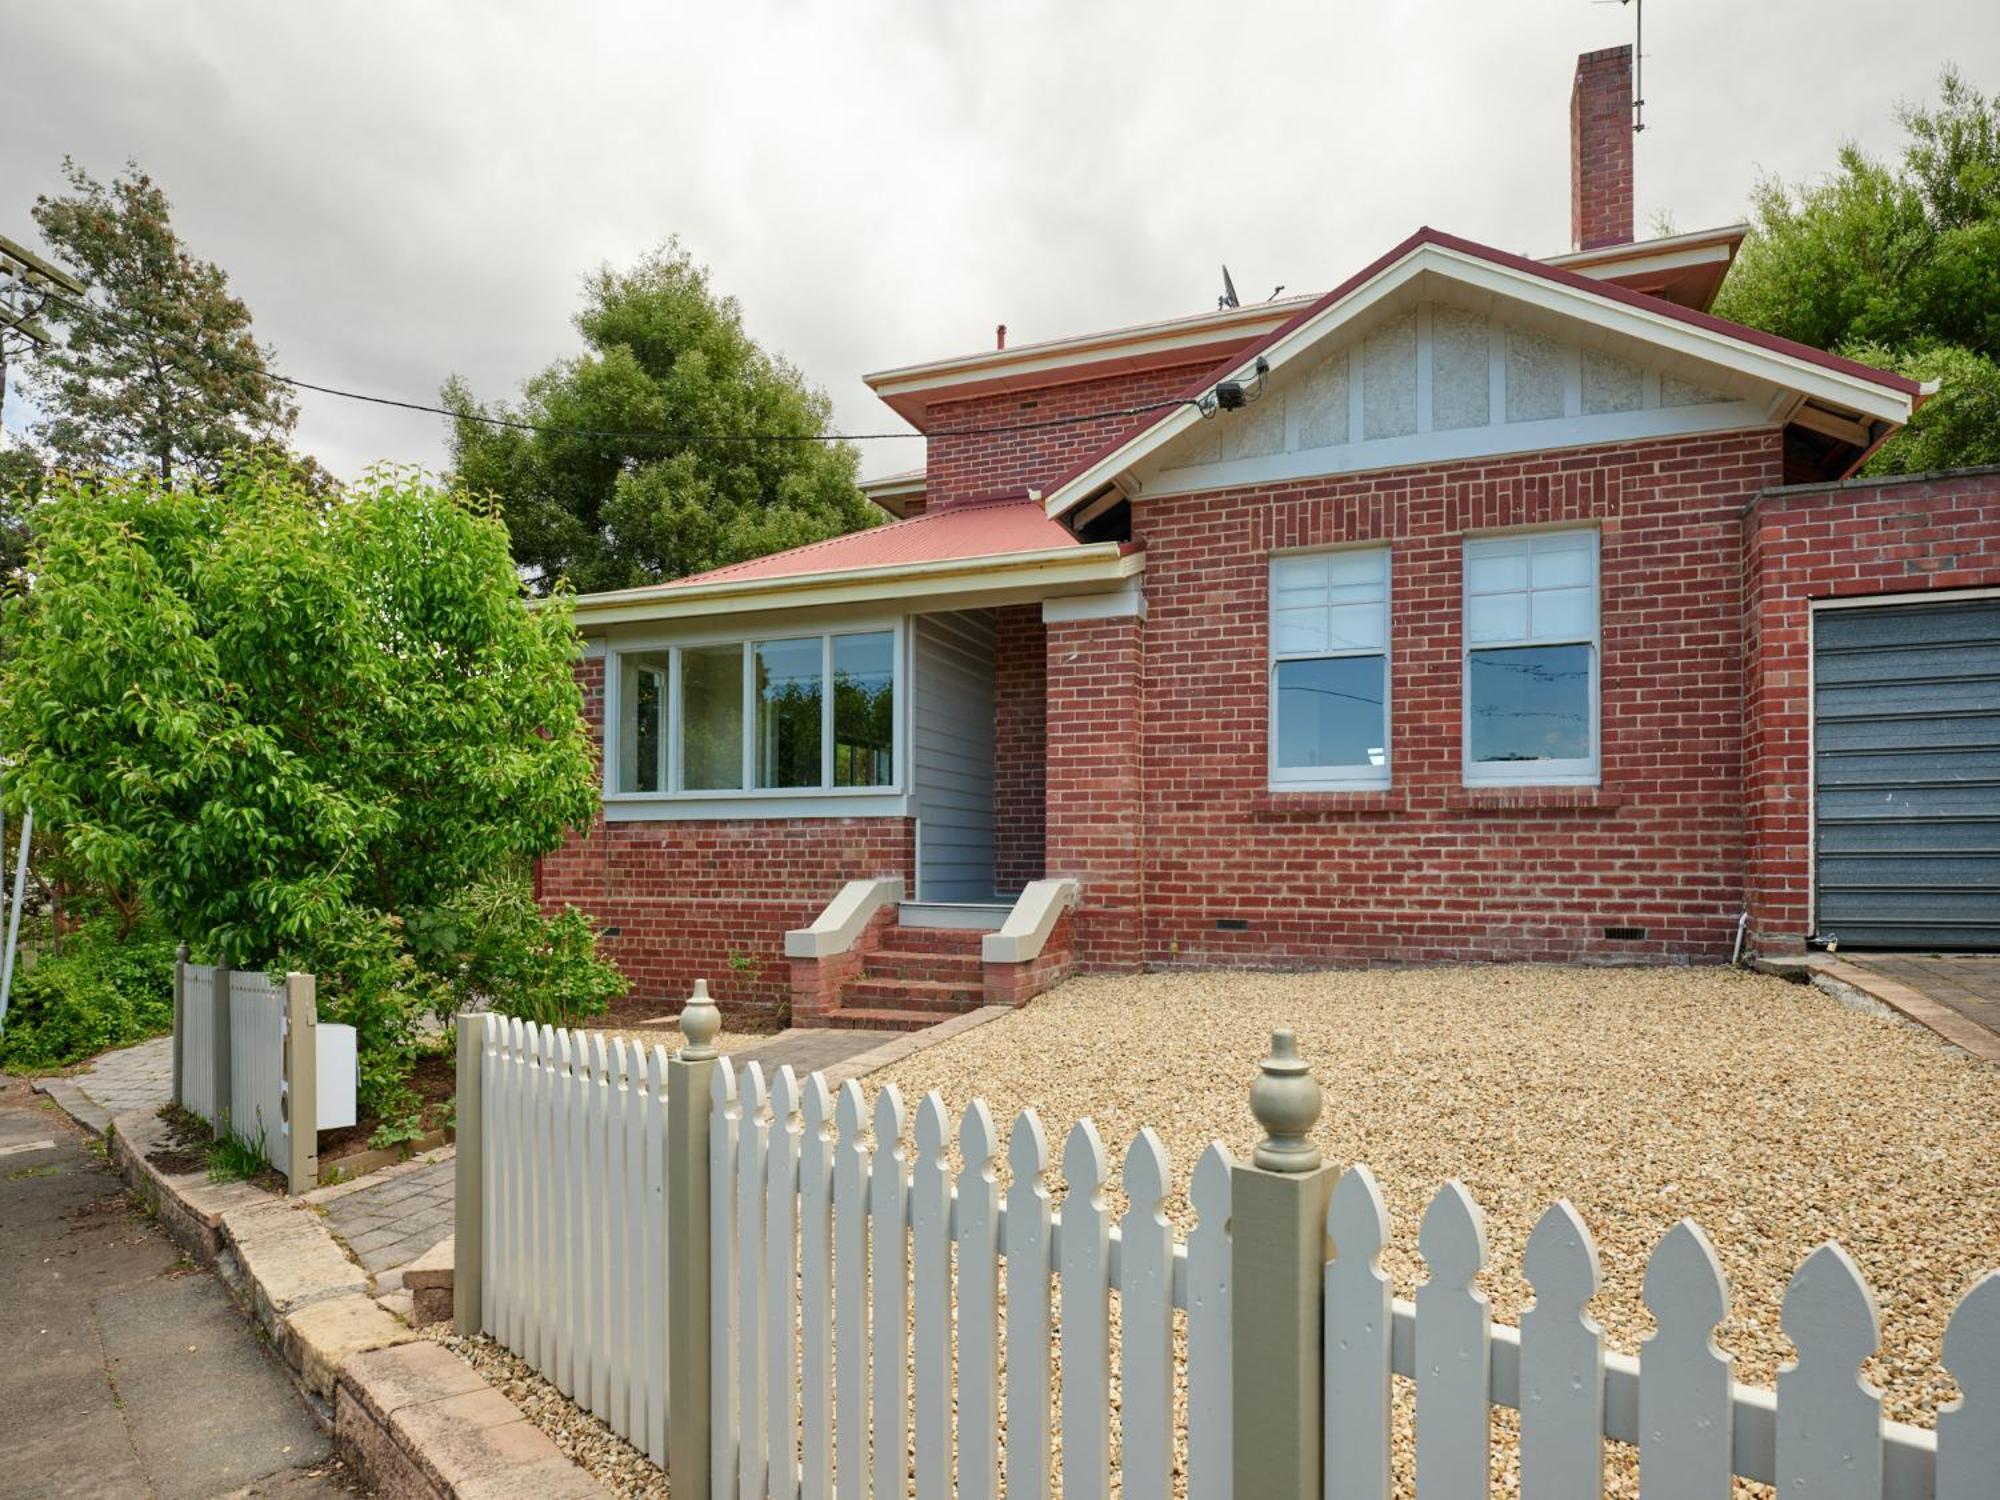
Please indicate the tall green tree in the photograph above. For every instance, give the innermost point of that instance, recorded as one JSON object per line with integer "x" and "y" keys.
{"x": 1896, "y": 263}
{"x": 157, "y": 366}
{"x": 300, "y": 730}
{"x": 664, "y": 356}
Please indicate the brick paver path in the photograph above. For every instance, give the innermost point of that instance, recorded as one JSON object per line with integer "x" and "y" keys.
{"x": 809, "y": 1051}
{"x": 140, "y": 1077}
{"x": 388, "y": 1224}
{"x": 1967, "y": 982}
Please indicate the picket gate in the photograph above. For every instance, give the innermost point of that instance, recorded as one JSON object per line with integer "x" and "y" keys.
{"x": 251, "y": 1058}
{"x": 863, "y": 1296}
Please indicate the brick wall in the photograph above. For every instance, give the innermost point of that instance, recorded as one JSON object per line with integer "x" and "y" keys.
{"x": 1095, "y": 799}
{"x": 1600, "y": 149}
{"x": 688, "y": 897}
{"x": 1427, "y": 870}
{"x": 1020, "y": 740}
{"x": 1833, "y": 542}
{"x": 970, "y": 468}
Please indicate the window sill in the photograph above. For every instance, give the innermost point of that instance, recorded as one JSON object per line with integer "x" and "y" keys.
{"x": 1531, "y": 799}
{"x": 1283, "y": 805}
{"x": 629, "y": 807}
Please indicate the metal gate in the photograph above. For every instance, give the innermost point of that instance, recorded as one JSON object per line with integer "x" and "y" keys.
{"x": 1906, "y": 706}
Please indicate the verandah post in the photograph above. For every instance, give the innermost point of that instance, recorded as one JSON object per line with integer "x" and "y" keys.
{"x": 468, "y": 1262}
{"x": 688, "y": 1409}
{"x": 301, "y": 1083}
{"x": 1278, "y": 1253}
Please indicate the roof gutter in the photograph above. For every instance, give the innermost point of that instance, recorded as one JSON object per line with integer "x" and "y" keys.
{"x": 1058, "y": 569}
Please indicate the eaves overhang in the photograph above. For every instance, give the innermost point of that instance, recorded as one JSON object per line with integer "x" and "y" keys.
{"x": 1055, "y": 571}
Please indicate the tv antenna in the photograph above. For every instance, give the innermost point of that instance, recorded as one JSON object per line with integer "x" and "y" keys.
{"x": 1638, "y": 59}
{"x": 1228, "y": 297}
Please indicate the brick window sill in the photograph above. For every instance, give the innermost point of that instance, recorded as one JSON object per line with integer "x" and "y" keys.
{"x": 1281, "y": 806}
{"x": 1512, "y": 800}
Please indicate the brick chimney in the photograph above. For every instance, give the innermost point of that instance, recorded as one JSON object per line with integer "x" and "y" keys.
{"x": 1600, "y": 150}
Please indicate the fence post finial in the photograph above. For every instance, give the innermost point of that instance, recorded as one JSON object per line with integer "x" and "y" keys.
{"x": 1286, "y": 1102}
{"x": 700, "y": 1021}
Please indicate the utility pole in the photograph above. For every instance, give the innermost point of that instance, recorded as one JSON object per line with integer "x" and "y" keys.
{"x": 26, "y": 284}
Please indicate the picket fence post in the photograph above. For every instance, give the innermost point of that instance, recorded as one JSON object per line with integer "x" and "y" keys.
{"x": 180, "y": 1024}
{"x": 468, "y": 1253}
{"x": 687, "y": 1190}
{"x": 220, "y": 1091}
{"x": 301, "y": 1083}
{"x": 1278, "y": 1253}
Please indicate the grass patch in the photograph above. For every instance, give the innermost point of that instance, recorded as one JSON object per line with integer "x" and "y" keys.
{"x": 233, "y": 1159}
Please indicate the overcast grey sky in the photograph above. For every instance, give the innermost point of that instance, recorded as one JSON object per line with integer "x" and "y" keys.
{"x": 405, "y": 188}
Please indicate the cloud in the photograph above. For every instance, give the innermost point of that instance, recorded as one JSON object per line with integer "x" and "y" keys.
{"x": 401, "y": 191}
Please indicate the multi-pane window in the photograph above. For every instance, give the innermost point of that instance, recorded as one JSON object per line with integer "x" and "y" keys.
{"x": 785, "y": 714}
{"x": 1330, "y": 669}
{"x": 1531, "y": 658}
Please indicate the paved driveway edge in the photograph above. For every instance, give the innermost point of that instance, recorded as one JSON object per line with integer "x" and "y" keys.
{"x": 409, "y": 1425}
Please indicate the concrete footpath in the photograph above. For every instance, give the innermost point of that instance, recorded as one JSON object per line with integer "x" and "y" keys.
{"x": 128, "y": 1372}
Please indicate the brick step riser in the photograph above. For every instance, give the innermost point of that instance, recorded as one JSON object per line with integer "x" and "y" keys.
{"x": 933, "y": 940}
{"x": 891, "y": 996}
{"x": 876, "y": 1020}
{"x": 952, "y": 968}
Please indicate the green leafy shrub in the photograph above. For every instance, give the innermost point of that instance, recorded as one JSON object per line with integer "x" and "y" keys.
{"x": 493, "y": 946}
{"x": 97, "y": 990}
{"x": 293, "y": 723}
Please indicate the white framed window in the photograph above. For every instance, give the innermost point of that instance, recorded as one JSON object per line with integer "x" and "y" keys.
{"x": 1329, "y": 690}
{"x": 779, "y": 715}
{"x": 1531, "y": 659}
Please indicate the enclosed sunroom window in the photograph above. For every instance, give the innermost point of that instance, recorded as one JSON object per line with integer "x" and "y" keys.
{"x": 785, "y": 714}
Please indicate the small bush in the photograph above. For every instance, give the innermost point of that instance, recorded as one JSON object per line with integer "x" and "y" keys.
{"x": 96, "y": 991}
{"x": 493, "y": 946}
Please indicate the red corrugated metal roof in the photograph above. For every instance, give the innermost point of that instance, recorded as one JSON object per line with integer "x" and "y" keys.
{"x": 990, "y": 529}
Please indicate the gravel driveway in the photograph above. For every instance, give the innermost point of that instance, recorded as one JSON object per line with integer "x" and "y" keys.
{"x": 1763, "y": 1109}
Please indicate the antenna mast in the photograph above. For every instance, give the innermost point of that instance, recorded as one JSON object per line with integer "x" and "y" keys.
{"x": 1638, "y": 63}
{"x": 1638, "y": 60}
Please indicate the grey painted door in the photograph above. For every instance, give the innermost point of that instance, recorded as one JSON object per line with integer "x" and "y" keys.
{"x": 1906, "y": 709}
{"x": 954, "y": 756}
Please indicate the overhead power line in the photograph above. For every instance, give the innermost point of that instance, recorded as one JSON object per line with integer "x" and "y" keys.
{"x": 656, "y": 435}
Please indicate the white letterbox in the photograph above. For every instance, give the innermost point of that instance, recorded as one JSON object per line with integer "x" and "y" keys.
{"x": 339, "y": 1072}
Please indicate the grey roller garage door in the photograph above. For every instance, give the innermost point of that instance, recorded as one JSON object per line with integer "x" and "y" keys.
{"x": 1906, "y": 710}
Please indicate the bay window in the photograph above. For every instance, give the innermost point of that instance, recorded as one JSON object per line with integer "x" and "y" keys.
{"x": 1531, "y": 658}
{"x": 774, "y": 715}
{"x": 1330, "y": 669}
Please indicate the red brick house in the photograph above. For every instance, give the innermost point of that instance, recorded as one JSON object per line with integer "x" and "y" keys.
{"x": 1479, "y": 608}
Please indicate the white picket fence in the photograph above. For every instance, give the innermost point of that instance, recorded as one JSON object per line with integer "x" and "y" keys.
{"x": 250, "y": 1101}
{"x": 831, "y": 1286}
{"x": 865, "y": 1299}
{"x": 251, "y": 1057}
{"x": 195, "y": 1015}
{"x": 574, "y": 1134}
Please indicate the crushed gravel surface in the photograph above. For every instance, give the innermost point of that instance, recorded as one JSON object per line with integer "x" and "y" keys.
{"x": 580, "y": 1437}
{"x": 1763, "y": 1109}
